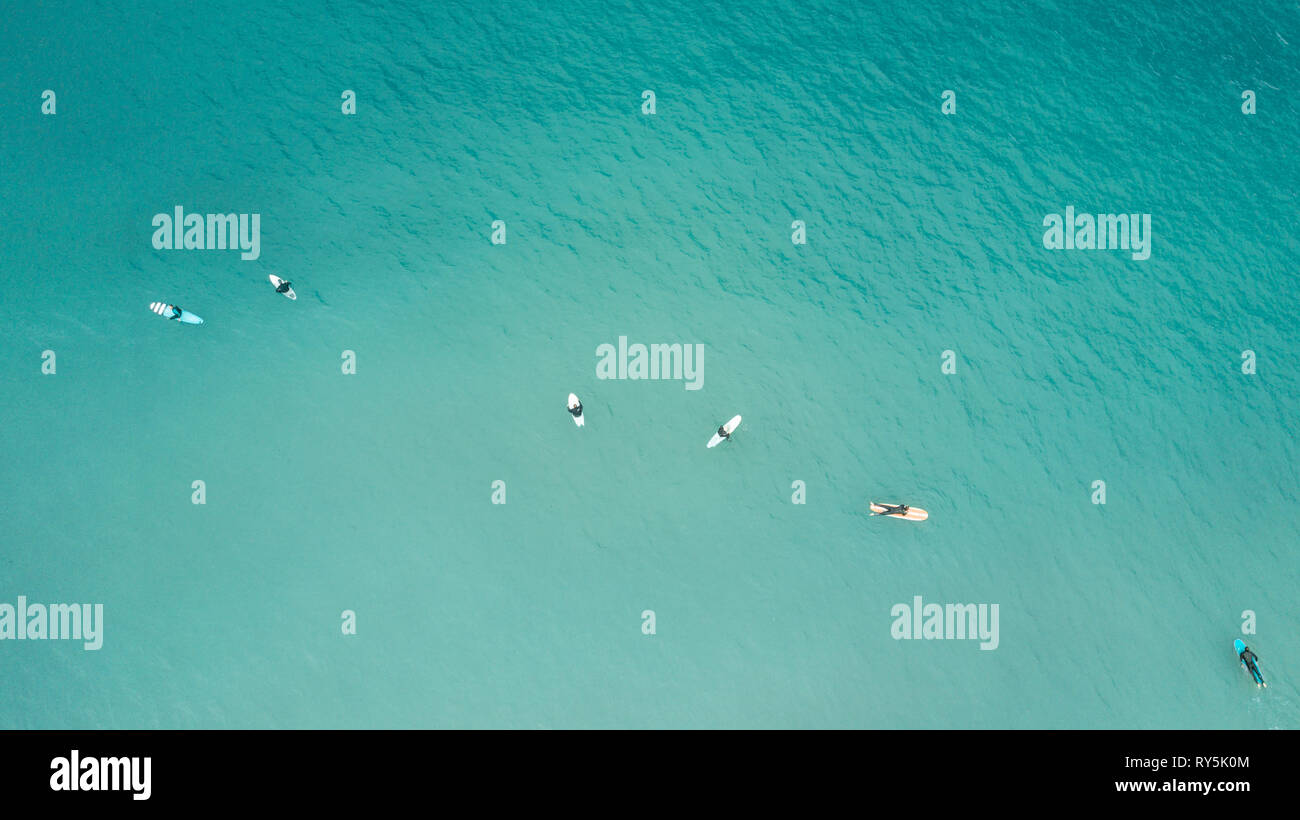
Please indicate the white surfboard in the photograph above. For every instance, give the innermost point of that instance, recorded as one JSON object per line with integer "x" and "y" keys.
{"x": 730, "y": 427}
{"x": 912, "y": 514}
{"x": 277, "y": 281}
{"x": 578, "y": 419}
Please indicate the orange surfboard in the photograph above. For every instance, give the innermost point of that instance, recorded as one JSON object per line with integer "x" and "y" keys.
{"x": 912, "y": 514}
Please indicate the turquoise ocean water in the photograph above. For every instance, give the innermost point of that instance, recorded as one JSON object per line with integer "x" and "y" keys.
{"x": 372, "y": 492}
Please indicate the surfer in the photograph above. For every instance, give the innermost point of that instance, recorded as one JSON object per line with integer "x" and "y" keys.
{"x": 1248, "y": 659}
{"x": 176, "y": 312}
{"x": 894, "y": 509}
{"x": 284, "y": 287}
{"x": 574, "y": 406}
{"x": 724, "y": 433}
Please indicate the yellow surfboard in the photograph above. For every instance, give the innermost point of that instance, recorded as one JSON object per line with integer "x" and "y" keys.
{"x": 912, "y": 514}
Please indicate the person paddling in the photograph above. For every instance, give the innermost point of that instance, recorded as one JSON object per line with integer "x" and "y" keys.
{"x": 1248, "y": 658}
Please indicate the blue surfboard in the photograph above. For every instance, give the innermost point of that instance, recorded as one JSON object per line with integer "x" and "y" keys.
{"x": 165, "y": 310}
{"x": 1239, "y": 646}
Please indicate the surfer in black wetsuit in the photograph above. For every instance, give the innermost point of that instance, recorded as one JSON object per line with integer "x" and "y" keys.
{"x": 284, "y": 286}
{"x": 722, "y": 431}
{"x": 896, "y": 509}
{"x": 1248, "y": 658}
{"x": 176, "y": 312}
{"x": 576, "y": 410}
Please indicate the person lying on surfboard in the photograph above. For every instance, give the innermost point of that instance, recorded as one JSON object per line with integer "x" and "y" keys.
{"x": 284, "y": 286}
{"x": 1248, "y": 658}
{"x": 897, "y": 509}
